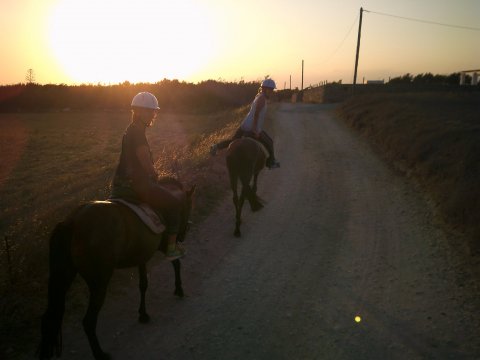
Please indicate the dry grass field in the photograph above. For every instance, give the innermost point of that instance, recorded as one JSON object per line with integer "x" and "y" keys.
{"x": 435, "y": 139}
{"x": 51, "y": 162}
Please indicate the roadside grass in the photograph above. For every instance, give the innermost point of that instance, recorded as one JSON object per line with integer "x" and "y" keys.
{"x": 52, "y": 162}
{"x": 434, "y": 138}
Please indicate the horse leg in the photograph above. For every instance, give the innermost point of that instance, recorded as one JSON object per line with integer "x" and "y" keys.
{"x": 255, "y": 203}
{"x": 254, "y": 187}
{"x": 238, "y": 213}
{"x": 248, "y": 192}
{"x": 98, "y": 289}
{"x": 239, "y": 208}
{"x": 178, "y": 279}
{"x": 143, "y": 285}
{"x": 236, "y": 200}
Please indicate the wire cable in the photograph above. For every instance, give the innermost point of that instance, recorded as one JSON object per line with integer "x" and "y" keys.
{"x": 341, "y": 43}
{"x": 425, "y": 21}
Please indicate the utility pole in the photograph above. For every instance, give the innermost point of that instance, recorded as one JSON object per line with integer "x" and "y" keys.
{"x": 290, "y": 82}
{"x": 302, "y": 75}
{"x": 358, "y": 48}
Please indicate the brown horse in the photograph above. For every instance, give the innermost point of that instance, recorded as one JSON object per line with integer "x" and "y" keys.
{"x": 94, "y": 240}
{"x": 245, "y": 159}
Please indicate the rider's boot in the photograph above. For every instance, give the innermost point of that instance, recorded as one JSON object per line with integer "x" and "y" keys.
{"x": 272, "y": 163}
{"x": 174, "y": 250}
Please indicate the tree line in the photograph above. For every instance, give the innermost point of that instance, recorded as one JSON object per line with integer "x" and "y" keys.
{"x": 429, "y": 78}
{"x": 173, "y": 95}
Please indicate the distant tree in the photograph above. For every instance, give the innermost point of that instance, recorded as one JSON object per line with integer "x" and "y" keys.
{"x": 429, "y": 78}
{"x": 453, "y": 79}
{"x": 426, "y": 78}
{"x": 30, "y": 77}
{"x": 173, "y": 95}
{"x": 405, "y": 79}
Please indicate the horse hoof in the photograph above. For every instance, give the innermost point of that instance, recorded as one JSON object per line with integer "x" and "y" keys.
{"x": 102, "y": 356}
{"x": 179, "y": 293}
{"x": 237, "y": 233}
{"x": 144, "y": 318}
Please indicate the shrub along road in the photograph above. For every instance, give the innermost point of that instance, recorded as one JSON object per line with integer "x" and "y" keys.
{"x": 341, "y": 236}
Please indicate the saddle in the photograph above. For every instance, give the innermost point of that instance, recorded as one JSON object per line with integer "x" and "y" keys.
{"x": 259, "y": 143}
{"x": 149, "y": 217}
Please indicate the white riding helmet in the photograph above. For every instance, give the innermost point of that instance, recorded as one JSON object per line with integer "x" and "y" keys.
{"x": 145, "y": 100}
{"x": 269, "y": 83}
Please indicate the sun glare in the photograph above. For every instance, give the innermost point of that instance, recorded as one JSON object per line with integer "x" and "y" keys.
{"x": 145, "y": 40}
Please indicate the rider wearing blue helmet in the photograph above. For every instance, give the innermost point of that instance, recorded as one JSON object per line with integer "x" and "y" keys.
{"x": 252, "y": 125}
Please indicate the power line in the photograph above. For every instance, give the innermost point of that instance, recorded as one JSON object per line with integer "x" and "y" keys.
{"x": 425, "y": 21}
{"x": 341, "y": 43}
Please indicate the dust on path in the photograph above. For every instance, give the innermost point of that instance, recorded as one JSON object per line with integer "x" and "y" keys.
{"x": 341, "y": 235}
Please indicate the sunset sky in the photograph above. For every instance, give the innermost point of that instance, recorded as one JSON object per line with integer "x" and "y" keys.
{"x": 111, "y": 41}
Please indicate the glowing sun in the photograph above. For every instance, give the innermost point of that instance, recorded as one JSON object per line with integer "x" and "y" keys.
{"x": 143, "y": 40}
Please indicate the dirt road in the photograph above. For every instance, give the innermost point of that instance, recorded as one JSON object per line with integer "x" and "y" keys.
{"x": 341, "y": 236}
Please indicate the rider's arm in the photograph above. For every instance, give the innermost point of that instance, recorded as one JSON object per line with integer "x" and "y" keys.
{"x": 145, "y": 160}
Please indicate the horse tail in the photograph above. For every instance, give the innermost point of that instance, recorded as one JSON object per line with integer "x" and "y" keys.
{"x": 61, "y": 274}
{"x": 244, "y": 169}
{"x": 232, "y": 173}
{"x": 245, "y": 178}
{"x": 239, "y": 168}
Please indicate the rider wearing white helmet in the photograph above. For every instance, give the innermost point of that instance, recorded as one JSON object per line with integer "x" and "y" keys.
{"x": 252, "y": 125}
{"x": 135, "y": 177}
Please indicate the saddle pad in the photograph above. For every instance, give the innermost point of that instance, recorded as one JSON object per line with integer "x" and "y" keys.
{"x": 264, "y": 149}
{"x": 146, "y": 214}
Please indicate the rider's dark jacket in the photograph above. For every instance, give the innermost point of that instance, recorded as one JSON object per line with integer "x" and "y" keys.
{"x": 132, "y": 181}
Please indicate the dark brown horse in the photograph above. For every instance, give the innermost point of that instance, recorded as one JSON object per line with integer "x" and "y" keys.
{"x": 94, "y": 240}
{"x": 245, "y": 159}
